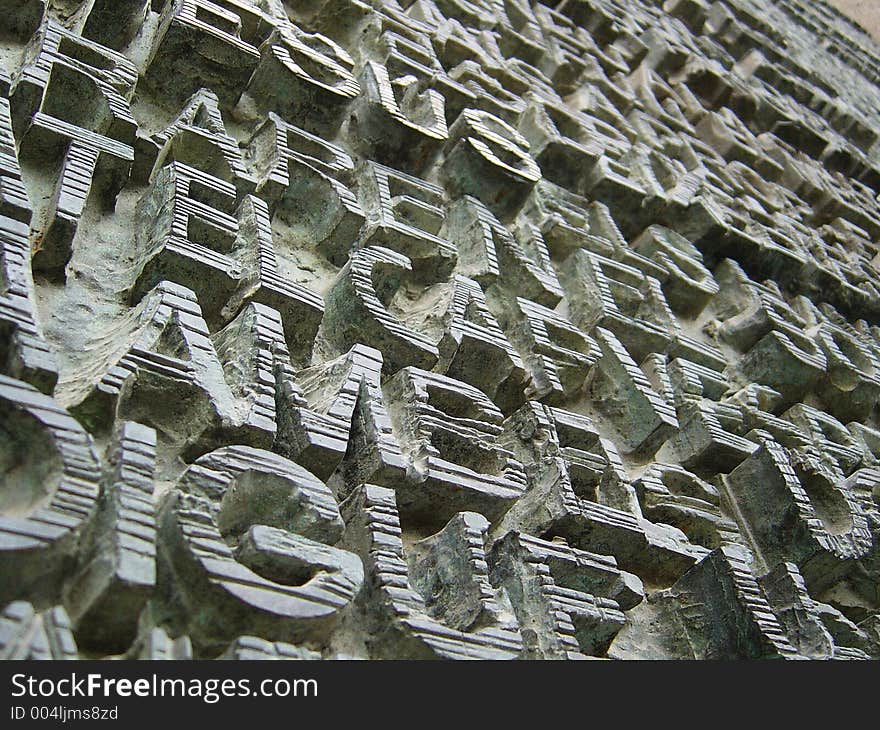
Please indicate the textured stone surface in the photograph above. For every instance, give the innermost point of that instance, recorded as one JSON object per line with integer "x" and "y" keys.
{"x": 485, "y": 329}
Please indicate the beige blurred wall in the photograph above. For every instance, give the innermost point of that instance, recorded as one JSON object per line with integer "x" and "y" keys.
{"x": 865, "y": 12}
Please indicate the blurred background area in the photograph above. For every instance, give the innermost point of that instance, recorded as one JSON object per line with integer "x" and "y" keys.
{"x": 864, "y": 12}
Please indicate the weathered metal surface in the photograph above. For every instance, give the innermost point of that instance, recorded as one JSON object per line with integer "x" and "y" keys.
{"x": 438, "y": 329}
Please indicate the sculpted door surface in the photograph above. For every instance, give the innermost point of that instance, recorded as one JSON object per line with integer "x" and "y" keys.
{"x": 488, "y": 329}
